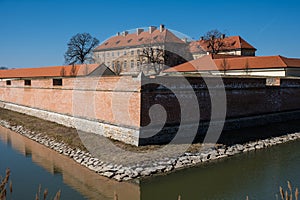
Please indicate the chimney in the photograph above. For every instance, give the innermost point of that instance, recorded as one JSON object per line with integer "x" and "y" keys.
{"x": 125, "y": 33}
{"x": 152, "y": 29}
{"x": 184, "y": 40}
{"x": 118, "y": 33}
{"x": 201, "y": 38}
{"x": 139, "y": 31}
{"x": 212, "y": 37}
{"x": 161, "y": 28}
{"x": 222, "y": 36}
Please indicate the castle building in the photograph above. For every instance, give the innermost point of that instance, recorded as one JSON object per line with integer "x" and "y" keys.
{"x": 143, "y": 50}
{"x": 233, "y": 45}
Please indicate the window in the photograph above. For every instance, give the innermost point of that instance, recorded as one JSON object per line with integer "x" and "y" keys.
{"x": 108, "y": 54}
{"x": 138, "y": 63}
{"x": 132, "y": 52}
{"x": 8, "y": 82}
{"x": 132, "y": 64}
{"x": 125, "y": 64}
{"x": 27, "y": 82}
{"x": 118, "y": 53}
{"x": 125, "y": 52}
{"x": 57, "y": 82}
{"x": 112, "y": 54}
{"x": 138, "y": 52}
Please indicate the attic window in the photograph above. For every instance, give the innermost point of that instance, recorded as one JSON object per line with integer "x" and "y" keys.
{"x": 155, "y": 37}
{"x": 8, "y": 82}
{"x": 129, "y": 41}
{"x": 106, "y": 43}
{"x": 57, "y": 82}
{"x": 118, "y": 42}
{"x": 27, "y": 82}
{"x": 140, "y": 39}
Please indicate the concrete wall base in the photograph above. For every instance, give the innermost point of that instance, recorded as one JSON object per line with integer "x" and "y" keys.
{"x": 124, "y": 134}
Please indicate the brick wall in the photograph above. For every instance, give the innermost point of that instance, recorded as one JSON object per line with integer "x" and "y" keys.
{"x": 125, "y": 101}
{"x": 89, "y": 98}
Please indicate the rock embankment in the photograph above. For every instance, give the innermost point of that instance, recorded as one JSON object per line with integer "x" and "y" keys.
{"x": 164, "y": 165}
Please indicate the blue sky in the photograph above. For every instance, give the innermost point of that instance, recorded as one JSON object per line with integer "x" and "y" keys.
{"x": 35, "y": 33}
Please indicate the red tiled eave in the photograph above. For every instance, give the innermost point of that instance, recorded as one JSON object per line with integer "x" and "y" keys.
{"x": 53, "y": 71}
{"x": 206, "y": 63}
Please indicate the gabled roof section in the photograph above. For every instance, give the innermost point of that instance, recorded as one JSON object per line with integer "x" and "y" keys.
{"x": 195, "y": 47}
{"x": 231, "y": 43}
{"x": 143, "y": 38}
{"x": 203, "y": 63}
{"x": 207, "y": 63}
{"x": 53, "y": 71}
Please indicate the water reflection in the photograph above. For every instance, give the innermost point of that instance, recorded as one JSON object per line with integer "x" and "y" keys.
{"x": 88, "y": 183}
{"x": 257, "y": 174}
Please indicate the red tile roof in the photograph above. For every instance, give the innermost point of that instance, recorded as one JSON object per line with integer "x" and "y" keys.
{"x": 195, "y": 47}
{"x": 207, "y": 63}
{"x": 54, "y": 71}
{"x": 203, "y": 63}
{"x": 134, "y": 39}
{"x": 231, "y": 43}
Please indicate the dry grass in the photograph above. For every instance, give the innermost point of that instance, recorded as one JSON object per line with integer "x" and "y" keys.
{"x": 288, "y": 194}
{"x": 4, "y": 184}
{"x": 51, "y": 129}
{"x": 66, "y": 134}
{"x": 38, "y": 195}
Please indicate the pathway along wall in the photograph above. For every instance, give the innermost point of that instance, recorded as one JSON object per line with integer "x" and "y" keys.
{"x": 103, "y": 109}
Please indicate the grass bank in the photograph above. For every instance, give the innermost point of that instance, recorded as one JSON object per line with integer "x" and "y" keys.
{"x": 53, "y": 130}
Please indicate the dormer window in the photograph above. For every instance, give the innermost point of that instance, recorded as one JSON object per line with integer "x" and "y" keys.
{"x": 129, "y": 40}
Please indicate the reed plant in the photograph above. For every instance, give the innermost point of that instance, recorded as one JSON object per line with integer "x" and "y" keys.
{"x": 288, "y": 194}
{"x": 5, "y": 184}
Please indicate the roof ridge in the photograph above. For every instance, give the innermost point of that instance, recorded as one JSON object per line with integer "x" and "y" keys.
{"x": 283, "y": 59}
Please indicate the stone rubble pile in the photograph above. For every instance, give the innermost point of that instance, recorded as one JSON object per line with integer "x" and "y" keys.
{"x": 164, "y": 165}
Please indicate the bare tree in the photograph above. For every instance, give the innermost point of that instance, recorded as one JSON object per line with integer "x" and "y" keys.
{"x": 80, "y": 48}
{"x": 117, "y": 67}
{"x": 215, "y": 41}
{"x": 86, "y": 70}
{"x": 63, "y": 72}
{"x": 73, "y": 70}
{"x": 2, "y": 67}
{"x": 224, "y": 65}
{"x": 152, "y": 56}
{"x": 247, "y": 67}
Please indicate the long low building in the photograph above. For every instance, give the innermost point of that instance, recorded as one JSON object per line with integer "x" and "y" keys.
{"x": 277, "y": 66}
{"x": 92, "y": 99}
